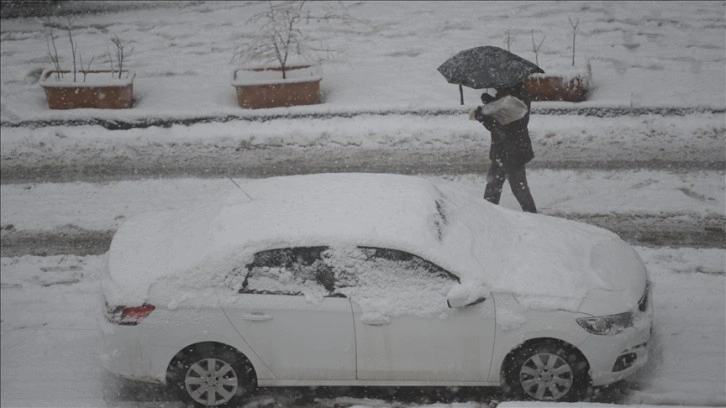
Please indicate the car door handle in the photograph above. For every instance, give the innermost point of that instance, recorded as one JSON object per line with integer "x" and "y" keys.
{"x": 375, "y": 319}
{"x": 256, "y": 317}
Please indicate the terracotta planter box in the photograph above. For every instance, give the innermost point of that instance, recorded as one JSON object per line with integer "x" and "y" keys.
{"x": 569, "y": 86}
{"x": 263, "y": 87}
{"x": 100, "y": 90}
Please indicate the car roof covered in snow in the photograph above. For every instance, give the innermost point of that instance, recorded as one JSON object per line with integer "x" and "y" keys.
{"x": 475, "y": 240}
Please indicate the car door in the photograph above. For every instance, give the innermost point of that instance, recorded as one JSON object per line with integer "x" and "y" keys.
{"x": 292, "y": 320}
{"x": 405, "y": 331}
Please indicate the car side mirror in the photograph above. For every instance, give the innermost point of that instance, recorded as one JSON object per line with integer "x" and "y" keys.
{"x": 457, "y": 302}
{"x": 466, "y": 295}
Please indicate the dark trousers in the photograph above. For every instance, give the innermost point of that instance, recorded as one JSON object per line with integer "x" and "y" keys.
{"x": 517, "y": 176}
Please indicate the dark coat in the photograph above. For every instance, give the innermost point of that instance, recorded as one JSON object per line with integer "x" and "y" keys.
{"x": 510, "y": 143}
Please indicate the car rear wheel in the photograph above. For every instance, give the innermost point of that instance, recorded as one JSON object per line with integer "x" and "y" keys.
{"x": 210, "y": 375}
{"x": 547, "y": 371}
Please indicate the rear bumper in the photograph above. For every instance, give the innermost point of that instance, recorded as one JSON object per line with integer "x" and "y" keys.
{"x": 125, "y": 353}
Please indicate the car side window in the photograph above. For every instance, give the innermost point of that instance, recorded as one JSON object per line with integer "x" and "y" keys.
{"x": 391, "y": 281}
{"x": 298, "y": 271}
{"x": 408, "y": 261}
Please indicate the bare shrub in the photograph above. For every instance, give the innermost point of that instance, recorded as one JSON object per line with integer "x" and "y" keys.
{"x": 280, "y": 35}
{"x": 76, "y": 57}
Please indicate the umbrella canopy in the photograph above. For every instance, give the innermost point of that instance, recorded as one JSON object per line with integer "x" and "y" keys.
{"x": 486, "y": 67}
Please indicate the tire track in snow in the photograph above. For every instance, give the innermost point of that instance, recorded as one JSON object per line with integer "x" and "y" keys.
{"x": 146, "y": 122}
{"x": 284, "y": 161}
{"x": 636, "y": 229}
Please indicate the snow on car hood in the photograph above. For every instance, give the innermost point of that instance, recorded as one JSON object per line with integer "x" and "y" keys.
{"x": 547, "y": 262}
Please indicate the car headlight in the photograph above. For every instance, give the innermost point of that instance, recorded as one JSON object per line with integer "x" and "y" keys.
{"x": 607, "y": 325}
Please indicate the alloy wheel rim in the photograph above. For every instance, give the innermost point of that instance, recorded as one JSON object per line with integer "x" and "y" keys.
{"x": 546, "y": 377}
{"x": 211, "y": 382}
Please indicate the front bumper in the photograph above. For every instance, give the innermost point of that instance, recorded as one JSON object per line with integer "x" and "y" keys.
{"x": 614, "y": 358}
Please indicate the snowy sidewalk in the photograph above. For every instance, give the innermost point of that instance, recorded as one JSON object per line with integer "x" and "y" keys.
{"x": 643, "y": 55}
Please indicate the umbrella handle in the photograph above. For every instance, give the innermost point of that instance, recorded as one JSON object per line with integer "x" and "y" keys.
{"x": 461, "y": 93}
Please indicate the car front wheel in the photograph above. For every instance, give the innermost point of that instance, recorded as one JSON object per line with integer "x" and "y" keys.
{"x": 210, "y": 376}
{"x": 547, "y": 372}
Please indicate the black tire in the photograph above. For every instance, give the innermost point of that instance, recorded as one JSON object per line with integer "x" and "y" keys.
{"x": 211, "y": 375}
{"x": 547, "y": 371}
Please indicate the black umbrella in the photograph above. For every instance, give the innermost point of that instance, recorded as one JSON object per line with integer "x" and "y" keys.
{"x": 486, "y": 67}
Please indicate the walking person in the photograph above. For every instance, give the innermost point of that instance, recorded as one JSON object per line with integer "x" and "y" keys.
{"x": 511, "y": 147}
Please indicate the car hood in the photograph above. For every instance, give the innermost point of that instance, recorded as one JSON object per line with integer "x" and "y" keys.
{"x": 621, "y": 281}
{"x": 626, "y": 275}
{"x": 548, "y": 262}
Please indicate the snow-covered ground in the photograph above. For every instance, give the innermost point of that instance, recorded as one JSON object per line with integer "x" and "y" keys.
{"x": 644, "y": 55}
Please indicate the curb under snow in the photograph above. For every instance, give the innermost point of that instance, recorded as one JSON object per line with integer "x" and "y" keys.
{"x": 260, "y": 116}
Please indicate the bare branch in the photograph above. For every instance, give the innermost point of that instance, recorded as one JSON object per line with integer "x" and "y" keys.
{"x": 575, "y": 30}
{"x": 536, "y": 47}
{"x": 121, "y": 54}
{"x": 69, "y": 27}
{"x": 110, "y": 60}
{"x": 53, "y": 54}
{"x": 87, "y": 68}
{"x": 508, "y": 40}
{"x": 80, "y": 58}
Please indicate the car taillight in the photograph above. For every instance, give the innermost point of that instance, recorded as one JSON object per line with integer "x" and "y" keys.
{"x": 128, "y": 315}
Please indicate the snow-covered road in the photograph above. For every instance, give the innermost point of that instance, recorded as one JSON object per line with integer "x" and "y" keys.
{"x": 645, "y": 207}
{"x": 448, "y": 144}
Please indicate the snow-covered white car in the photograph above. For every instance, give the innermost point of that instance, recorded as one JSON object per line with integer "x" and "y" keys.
{"x": 369, "y": 280}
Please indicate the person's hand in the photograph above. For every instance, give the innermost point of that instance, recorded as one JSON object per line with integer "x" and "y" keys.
{"x": 475, "y": 114}
{"x": 486, "y": 98}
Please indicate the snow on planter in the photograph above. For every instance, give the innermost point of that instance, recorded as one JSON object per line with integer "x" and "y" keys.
{"x": 264, "y": 86}
{"x": 94, "y": 89}
{"x": 570, "y": 84}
